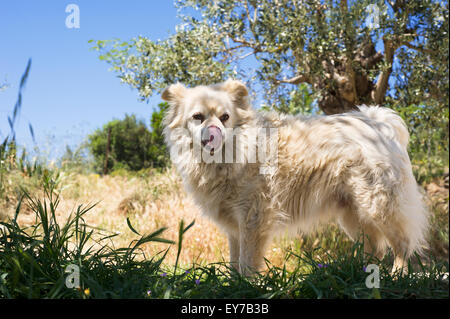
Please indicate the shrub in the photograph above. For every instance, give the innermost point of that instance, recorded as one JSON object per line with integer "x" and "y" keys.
{"x": 429, "y": 135}
{"x": 132, "y": 145}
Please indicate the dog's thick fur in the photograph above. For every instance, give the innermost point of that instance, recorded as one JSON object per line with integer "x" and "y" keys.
{"x": 352, "y": 168}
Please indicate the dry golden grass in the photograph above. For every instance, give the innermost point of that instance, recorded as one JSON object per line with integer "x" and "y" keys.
{"x": 150, "y": 202}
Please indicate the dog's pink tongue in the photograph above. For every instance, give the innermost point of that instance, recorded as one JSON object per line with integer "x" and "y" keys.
{"x": 214, "y": 137}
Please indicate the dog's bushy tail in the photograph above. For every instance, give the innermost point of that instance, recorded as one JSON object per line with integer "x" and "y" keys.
{"x": 388, "y": 122}
{"x": 413, "y": 211}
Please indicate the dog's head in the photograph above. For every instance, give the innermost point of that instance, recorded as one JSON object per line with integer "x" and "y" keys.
{"x": 207, "y": 110}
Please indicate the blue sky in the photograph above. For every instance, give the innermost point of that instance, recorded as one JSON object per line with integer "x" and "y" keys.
{"x": 70, "y": 92}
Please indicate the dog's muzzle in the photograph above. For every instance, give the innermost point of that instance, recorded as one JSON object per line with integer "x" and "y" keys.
{"x": 211, "y": 138}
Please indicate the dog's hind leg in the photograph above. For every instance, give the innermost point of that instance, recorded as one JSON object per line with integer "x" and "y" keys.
{"x": 400, "y": 244}
{"x": 373, "y": 239}
{"x": 406, "y": 228}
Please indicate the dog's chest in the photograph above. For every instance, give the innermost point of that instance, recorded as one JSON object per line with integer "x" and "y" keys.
{"x": 214, "y": 194}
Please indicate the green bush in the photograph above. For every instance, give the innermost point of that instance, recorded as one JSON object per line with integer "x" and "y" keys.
{"x": 429, "y": 135}
{"x": 132, "y": 145}
{"x": 158, "y": 148}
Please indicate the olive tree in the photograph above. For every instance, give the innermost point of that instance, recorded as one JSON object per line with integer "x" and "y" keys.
{"x": 347, "y": 52}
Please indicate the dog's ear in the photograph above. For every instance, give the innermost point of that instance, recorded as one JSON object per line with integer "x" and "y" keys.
{"x": 173, "y": 94}
{"x": 238, "y": 92}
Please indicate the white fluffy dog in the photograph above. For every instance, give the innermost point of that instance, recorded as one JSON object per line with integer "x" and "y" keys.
{"x": 352, "y": 168}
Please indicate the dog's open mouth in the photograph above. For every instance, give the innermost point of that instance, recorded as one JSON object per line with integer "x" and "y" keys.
{"x": 211, "y": 138}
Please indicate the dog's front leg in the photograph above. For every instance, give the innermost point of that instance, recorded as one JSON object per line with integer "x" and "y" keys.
{"x": 253, "y": 239}
{"x": 234, "y": 251}
{"x": 252, "y": 246}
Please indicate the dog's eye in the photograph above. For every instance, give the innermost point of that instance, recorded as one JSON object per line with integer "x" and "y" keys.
{"x": 198, "y": 117}
{"x": 224, "y": 117}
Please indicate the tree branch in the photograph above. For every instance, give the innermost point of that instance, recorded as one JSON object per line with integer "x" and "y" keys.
{"x": 294, "y": 80}
{"x": 420, "y": 49}
{"x": 383, "y": 80}
{"x": 245, "y": 43}
{"x": 251, "y": 22}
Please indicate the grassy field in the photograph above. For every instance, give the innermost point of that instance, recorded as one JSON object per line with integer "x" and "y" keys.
{"x": 131, "y": 235}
